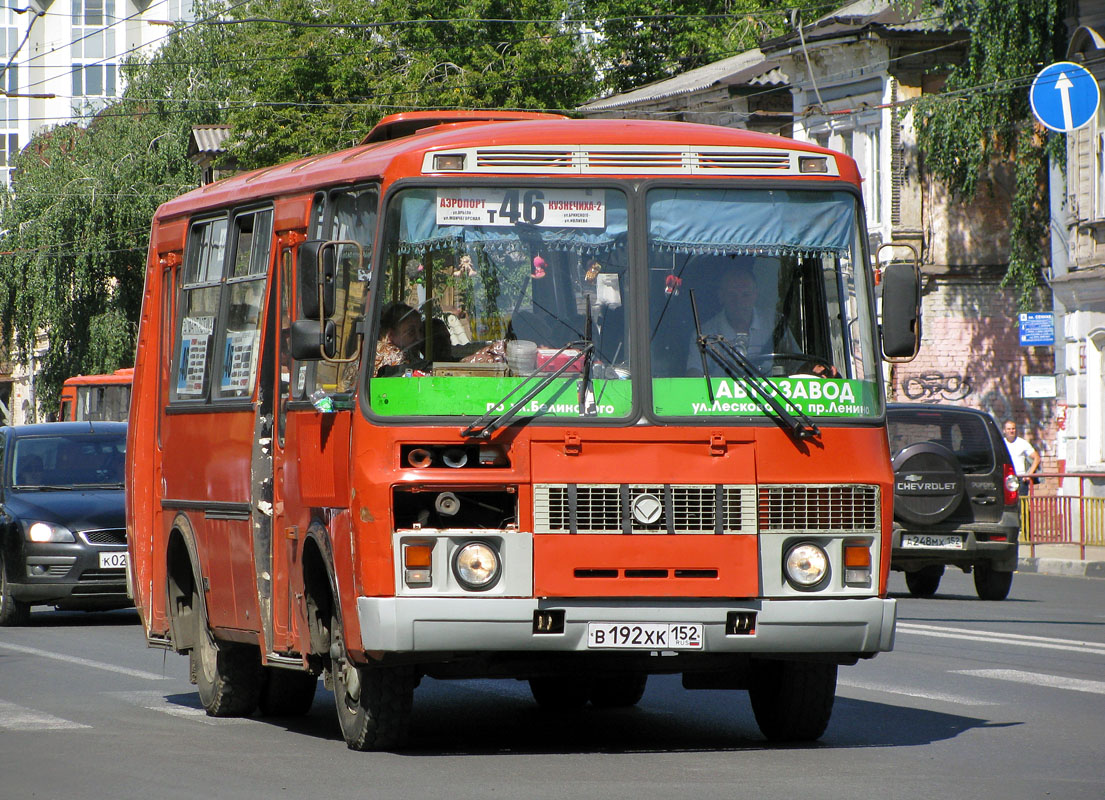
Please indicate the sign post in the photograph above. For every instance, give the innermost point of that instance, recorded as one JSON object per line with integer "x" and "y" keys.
{"x": 1064, "y": 96}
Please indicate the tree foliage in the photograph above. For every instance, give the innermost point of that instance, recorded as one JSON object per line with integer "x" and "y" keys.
{"x": 642, "y": 41}
{"x": 984, "y": 115}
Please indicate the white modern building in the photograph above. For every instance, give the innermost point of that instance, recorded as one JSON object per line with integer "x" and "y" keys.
{"x": 62, "y": 59}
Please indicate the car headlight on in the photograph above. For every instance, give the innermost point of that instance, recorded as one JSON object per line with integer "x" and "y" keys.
{"x": 48, "y": 532}
{"x": 806, "y": 565}
{"x": 476, "y": 566}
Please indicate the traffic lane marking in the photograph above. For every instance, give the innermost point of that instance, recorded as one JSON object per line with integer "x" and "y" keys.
{"x": 86, "y": 662}
{"x": 1037, "y": 679}
{"x": 995, "y": 637}
{"x": 920, "y": 694}
{"x": 19, "y": 718}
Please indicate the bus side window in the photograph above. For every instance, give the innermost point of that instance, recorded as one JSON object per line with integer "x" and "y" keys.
{"x": 245, "y": 299}
{"x": 200, "y": 292}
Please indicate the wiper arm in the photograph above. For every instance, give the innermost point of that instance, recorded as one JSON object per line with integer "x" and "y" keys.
{"x": 586, "y": 393}
{"x": 701, "y": 341}
{"x": 733, "y": 360}
{"x": 482, "y": 427}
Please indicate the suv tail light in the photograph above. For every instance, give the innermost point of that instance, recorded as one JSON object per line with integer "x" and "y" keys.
{"x": 1011, "y": 484}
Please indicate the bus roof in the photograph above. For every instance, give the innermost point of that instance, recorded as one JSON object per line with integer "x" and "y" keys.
{"x": 119, "y": 376}
{"x": 552, "y": 146}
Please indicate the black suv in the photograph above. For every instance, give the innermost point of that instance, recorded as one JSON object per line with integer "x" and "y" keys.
{"x": 63, "y": 539}
{"x": 955, "y": 498}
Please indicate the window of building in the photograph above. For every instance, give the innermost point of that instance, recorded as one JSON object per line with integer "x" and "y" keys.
{"x": 93, "y": 52}
{"x": 1095, "y": 397}
{"x": 1098, "y": 178}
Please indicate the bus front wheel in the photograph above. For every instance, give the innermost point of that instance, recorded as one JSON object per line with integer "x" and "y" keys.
{"x": 792, "y": 700}
{"x": 373, "y": 702}
{"x": 228, "y": 676}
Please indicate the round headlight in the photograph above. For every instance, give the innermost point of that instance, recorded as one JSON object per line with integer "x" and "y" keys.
{"x": 476, "y": 566}
{"x": 45, "y": 532}
{"x": 806, "y": 565}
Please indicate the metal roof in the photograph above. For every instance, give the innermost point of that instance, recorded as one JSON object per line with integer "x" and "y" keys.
{"x": 747, "y": 67}
{"x": 208, "y": 139}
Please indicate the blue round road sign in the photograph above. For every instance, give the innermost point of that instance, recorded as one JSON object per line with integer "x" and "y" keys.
{"x": 1064, "y": 96}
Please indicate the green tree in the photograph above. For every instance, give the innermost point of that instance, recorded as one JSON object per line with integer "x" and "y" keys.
{"x": 642, "y": 41}
{"x": 984, "y": 115}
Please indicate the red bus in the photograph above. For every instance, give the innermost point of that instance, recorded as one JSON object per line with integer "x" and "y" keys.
{"x": 96, "y": 397}
{"x": 469, "y": 400}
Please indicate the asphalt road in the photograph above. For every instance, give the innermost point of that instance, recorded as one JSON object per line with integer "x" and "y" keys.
{"x": 978, "y": 700}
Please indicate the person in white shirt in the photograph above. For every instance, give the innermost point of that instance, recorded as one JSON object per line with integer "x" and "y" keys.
{"x": 1025, "y": 458}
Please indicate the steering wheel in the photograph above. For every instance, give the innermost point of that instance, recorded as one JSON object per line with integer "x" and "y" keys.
{"x": 801, "y": 360}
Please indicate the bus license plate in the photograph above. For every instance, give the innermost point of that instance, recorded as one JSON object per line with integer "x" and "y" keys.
{"x": 936, "y": 542}
{"x": 645, "y": 635}
{"x": 116, "y": 560}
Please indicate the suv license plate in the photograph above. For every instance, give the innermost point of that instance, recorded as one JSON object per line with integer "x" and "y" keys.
{"x": 645, "y": 635}
{"x": 932, "y": 542}
{"x": 115, "y": 560}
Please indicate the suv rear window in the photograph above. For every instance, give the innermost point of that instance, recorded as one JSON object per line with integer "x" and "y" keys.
{"x": 964, "y": 434}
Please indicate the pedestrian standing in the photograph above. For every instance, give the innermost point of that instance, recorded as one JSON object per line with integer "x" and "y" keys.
{"x": 1025, "y": 458}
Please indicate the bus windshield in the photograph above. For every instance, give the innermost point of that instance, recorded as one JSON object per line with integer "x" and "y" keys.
{"x": 487, "y": 289}
{"x": 774, "y": 276}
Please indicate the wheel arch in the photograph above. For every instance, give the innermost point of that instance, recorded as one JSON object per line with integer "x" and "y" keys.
{"x": 183, "y": 582}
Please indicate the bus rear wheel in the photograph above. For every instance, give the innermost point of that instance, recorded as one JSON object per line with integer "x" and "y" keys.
{"x": 227, "y": 676}
{"x": 618, "y": 691}
{"x": 373, "y": 702}
{"x": 792, "y": 700}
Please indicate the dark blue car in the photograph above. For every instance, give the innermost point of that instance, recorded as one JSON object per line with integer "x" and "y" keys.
{"x": 63, "y": 539}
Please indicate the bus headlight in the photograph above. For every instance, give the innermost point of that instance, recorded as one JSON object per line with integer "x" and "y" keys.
{"x": 806, "y": 565}
{"x": 476, "y": 566}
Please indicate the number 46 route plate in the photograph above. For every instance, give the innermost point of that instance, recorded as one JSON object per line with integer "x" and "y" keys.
{"x": 645, "y": 635}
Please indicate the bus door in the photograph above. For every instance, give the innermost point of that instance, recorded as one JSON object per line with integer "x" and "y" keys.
{"x": 313, "y": 400}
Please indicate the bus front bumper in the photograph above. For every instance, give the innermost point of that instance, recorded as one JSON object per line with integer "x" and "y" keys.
{"x": 860, "y": 626}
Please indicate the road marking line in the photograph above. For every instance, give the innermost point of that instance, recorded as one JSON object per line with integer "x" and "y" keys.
{"x": 18, "y": 718}
{"x": 1037, "y": 679}
{"x": 957, "y": 699}
{"x": 156, "y": 701}
{"x": 85, "y": 662}
{"x": 995, "y": 637}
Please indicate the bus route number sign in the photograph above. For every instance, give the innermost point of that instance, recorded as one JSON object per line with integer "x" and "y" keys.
{"x": 545, "y": 208}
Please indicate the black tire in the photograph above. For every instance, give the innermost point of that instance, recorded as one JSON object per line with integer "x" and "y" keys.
{"x": 792, "y": 700}
{"x": 227, "y": 675}
{"x": 286, "y": 693}
{"x": 13, "y": 613}
{"x": 992, "y": 584}
{"x": 925, "y": 581}
{"x": 560, "y": 692}
{"x": 373, "y": 703}
{"x": 618, "y": 691}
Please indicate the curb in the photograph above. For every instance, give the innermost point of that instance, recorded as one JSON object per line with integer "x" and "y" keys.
{"x": 1062, "y": 566}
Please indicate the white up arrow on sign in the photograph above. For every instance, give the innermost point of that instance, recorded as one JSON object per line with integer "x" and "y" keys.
{"x": 1064, "y": 85}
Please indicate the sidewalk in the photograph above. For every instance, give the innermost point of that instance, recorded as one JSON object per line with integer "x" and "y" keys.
{"x": 1062, "y": 559}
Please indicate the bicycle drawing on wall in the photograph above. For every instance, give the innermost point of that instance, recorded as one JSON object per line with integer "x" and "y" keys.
{"x": 933, "y": 386}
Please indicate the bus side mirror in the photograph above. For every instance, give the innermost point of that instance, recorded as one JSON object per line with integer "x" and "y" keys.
{"x": 308, "y": 341}
{"x": 317, "y": 267}
{"x": 901, "y": 312}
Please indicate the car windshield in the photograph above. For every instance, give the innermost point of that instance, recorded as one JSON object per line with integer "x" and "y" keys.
{"x": 68, "y": 461}
{"x": 488, "y": 292}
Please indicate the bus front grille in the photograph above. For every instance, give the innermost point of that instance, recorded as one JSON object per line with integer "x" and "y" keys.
{"x": 705, "y": 508}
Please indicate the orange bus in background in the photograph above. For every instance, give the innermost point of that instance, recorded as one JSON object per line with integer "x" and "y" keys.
{"x": 467, "y": 400}
{"x": 97, "y": 397}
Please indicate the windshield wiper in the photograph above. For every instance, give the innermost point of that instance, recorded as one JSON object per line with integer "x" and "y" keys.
{"x": 482, "y": 427}
{"x": 36, "y": 487}
{"x": 734, "y": 361}
{"x": 587, "y": 406}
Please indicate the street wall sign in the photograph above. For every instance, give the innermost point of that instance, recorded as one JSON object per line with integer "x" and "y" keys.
{"x": 1038, "y": 387}
{"x": 1037, "y": 329}
{"x": 1064, "y": 96}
